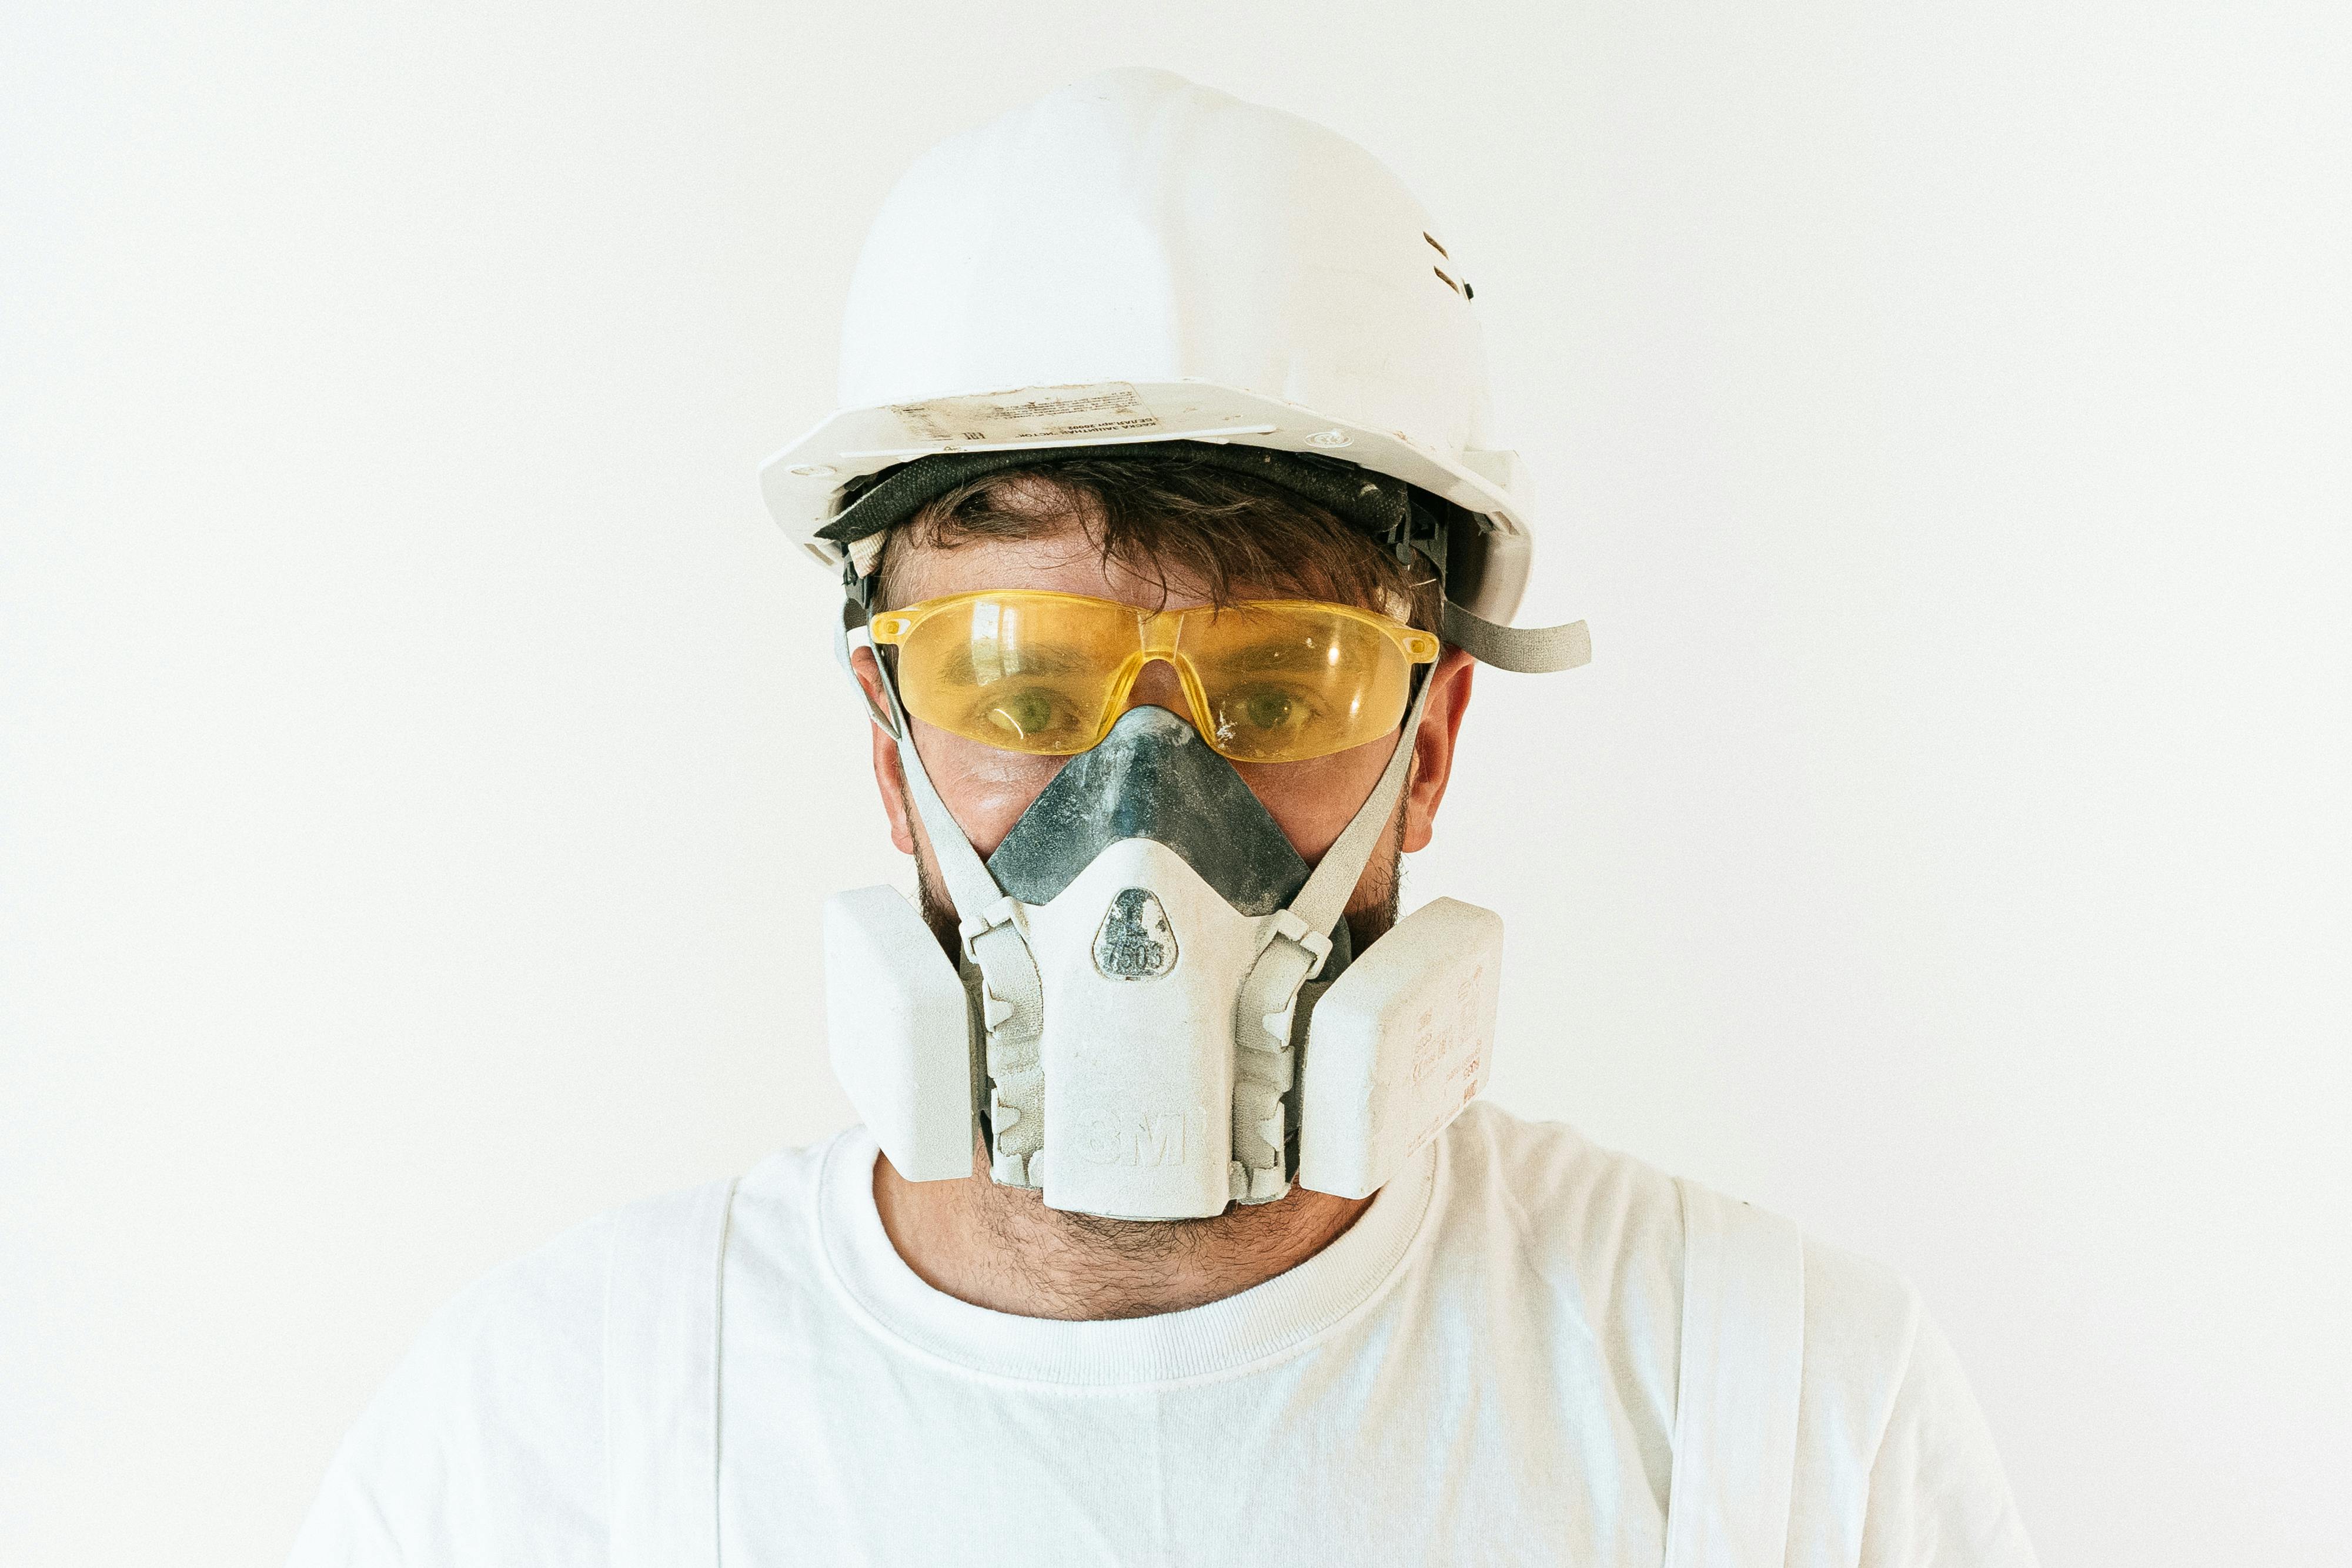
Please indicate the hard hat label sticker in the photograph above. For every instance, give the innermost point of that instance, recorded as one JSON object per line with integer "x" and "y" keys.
{"x": 1029, "y": 413}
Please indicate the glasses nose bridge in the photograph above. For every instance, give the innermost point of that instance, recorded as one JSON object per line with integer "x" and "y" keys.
{"x": 1158, "y": 631}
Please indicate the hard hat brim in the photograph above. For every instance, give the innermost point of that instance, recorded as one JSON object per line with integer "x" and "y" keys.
{"x": 803, "y": 485}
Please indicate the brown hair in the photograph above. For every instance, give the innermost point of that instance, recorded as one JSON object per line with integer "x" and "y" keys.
{"x": 1160, "y": 517}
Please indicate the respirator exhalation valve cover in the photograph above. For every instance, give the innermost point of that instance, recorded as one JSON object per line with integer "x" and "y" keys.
{"x": 1134, "y": 942}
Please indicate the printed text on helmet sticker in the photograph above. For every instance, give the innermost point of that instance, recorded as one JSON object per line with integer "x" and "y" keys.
{"x": 1029, "y": 413}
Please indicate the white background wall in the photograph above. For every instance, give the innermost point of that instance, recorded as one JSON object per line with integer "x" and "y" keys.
{"x": 421, "y": 764}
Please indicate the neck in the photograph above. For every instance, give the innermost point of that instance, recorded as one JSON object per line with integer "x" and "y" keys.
{"x": 1001, "y": 1248}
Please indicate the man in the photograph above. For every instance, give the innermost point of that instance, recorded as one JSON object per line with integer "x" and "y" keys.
{"x": 1173, "y": 1233}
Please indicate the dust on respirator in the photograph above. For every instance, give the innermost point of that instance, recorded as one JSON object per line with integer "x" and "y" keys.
{"x": 1158, "y": 1013}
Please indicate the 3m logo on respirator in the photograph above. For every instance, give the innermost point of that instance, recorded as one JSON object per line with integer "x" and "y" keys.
{"x": 1138, "y": 1138}
{"x": 1134, "y": 941}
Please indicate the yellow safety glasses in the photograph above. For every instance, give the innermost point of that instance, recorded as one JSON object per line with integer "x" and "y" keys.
{"x": 1277, "y": 680}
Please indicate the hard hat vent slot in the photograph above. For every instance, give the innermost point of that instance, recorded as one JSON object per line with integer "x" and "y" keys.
{"x": 1445, "y": 280}
{"x": 1436, "y": 247}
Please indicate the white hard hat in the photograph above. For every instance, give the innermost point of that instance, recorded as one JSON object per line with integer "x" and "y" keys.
{"x": 1137, "y": 258}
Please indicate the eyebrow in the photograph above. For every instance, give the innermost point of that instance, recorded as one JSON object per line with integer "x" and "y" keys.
{"x": 1267, "y": 655}
{"x": 1011, "y": 659}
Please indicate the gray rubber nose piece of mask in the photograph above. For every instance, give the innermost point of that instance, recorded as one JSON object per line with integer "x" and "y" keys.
{"x": 1152, "y": 776}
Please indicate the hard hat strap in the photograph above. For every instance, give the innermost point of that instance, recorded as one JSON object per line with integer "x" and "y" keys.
{"x": 1529, "y": 650}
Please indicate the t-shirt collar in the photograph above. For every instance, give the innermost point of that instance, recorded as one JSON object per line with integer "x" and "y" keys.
{"x": 1267, "y": 1322}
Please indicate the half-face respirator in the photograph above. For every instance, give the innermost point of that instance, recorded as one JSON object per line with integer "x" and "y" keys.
{"x": 1158, "y": 1012}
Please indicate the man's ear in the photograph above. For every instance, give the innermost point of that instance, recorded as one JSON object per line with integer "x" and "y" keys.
{"x": 1432, "y": 747}
{"x": 889, "y": 777}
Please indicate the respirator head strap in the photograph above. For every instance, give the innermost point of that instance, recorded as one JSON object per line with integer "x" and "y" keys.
{"x": 850, "y": 633}
{"x": 1011, "y": 993}
{"x": 969, "y": 886}
{"x": 1325, "y": 897}
{"x": 1266, "y": 1010}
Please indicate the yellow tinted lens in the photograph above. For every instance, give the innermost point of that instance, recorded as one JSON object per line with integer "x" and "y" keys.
{"x": 1282, "y": 682}
{"x": 1024, "y": 672}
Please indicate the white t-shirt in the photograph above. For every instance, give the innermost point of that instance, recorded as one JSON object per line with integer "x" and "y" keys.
{"x": 1483, "y": 1369}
